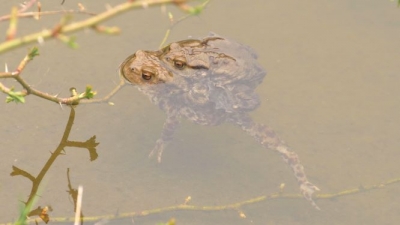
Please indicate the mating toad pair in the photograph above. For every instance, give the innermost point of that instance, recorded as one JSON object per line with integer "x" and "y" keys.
{"x": 208, "y": 81}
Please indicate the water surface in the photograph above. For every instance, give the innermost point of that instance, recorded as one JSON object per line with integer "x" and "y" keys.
{"x": 331, "y": 93}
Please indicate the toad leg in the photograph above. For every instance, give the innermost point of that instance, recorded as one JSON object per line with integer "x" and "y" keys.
{"x": 170, "y": 125}
{"x": 268, "y": 138}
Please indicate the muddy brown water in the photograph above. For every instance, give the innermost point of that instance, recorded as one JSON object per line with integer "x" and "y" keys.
{"x": 331, "y": 92}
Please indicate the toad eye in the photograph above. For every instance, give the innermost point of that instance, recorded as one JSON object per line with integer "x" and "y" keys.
{"x": 146, "y": 75}
{"x": 179, "y": 64}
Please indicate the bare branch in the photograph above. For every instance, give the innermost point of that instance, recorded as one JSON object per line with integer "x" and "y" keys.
{"x": 80, "y": 25}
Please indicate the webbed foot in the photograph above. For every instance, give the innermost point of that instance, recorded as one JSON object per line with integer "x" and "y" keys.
{"x": 307, "y": 189}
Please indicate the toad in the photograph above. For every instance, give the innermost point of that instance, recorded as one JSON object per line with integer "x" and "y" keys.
{"x": 208, "y": 81}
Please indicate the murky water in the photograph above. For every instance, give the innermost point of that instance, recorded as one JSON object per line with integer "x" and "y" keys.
{"x": 331, "y": 93}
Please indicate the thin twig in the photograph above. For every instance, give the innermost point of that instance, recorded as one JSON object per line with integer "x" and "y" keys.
{"x": 58, "y": 32}
{"x": 121, "y": 84}
{"x": 35, "y": 14}
{"x": 73, "y": 100}
{"x": 27, "y": 5}
{"x": 192, "y": 12}
{"x": 231, "y": 206}
{"x": 80, "y": 25}
{"x": 78, "y": 206}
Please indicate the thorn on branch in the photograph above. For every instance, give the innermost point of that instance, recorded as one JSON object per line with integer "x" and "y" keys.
{"x": 81, "y": 7}
{"x": 241, "y": 214}
{"x": 187, "y": 200}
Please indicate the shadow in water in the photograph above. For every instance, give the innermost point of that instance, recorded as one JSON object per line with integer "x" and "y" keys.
{"x": 42, "y": 211}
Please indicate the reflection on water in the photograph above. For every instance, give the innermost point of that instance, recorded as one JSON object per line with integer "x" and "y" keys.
{"x": 42, "y": 211}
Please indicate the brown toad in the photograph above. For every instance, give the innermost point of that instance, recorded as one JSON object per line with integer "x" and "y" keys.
{"x": 208, "y": 81}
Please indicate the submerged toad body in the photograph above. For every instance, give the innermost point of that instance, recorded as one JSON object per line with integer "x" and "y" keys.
{"x": 208, "y": 81}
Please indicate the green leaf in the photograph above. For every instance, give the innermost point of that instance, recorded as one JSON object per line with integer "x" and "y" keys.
{"x": 89, "y": 93}
{"x": 198, "y": 9}
{"x": 72, "y": 42}
{"x": 17, "y": 97}
{"x": 33, "y": 52}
